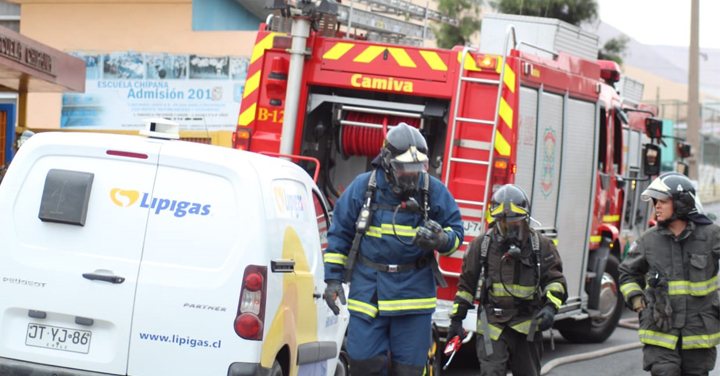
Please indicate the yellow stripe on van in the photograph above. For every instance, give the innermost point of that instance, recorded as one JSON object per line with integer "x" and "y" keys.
{"x": 251, "y": 84}
{"x": 506, "y": 112}
{"x": 248, "y": 116}
{"x": 509, "y": 78}
{"x": 263, "y": 45}
{"x": 402, "y": 57}
{"x": 338, "y": 50}
{"x": 470, "y": 63}
{"x": 595, "y": 239}
{"x": 369, "y": 54}
{"x": 434, "y": 60}
{"x": 501, "y": 145}
{"x": 611, "y": 218}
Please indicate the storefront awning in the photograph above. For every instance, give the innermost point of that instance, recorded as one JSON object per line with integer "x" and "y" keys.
{"x": 29, "y": 66}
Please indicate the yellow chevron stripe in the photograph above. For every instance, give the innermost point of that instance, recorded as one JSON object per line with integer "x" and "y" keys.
{"x": 509, "y": 78}
{"x": 369, "y": 54}
{"x": 611, "y": 218}
{"x": 263, "y": 45}
{"x": 595, "y": 239}
{"x": 501, "y": 145}
{"x": 251, "y": 84}
{"x": 247, "y": 116}
{"x": 506, "y": 112}
{"x": 470, "y": 63}
{"x": 402, "y": 57}
{"x": 498, "y": 67}
{"x": 434, "y": 60}
{"x": 338, "y": 50}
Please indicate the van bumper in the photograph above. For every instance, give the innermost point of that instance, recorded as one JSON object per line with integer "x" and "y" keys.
{"x": 246, "y": 369}
{"x": 11, "y": 367}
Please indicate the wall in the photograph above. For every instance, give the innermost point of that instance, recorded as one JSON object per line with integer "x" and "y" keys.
{"x": 143, "y": 26}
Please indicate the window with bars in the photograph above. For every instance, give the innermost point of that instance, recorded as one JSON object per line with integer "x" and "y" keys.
{"x": 10, "y": 15}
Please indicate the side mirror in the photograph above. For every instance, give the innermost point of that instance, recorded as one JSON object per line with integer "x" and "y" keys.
{"x": 682, "y": 168}
{"x": 683, "y": 150}
{"x": 653, "y": 127}
{"x": 651, "y": 159}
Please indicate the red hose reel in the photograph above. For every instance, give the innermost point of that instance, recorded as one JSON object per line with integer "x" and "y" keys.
{"x": 366, "y": 141}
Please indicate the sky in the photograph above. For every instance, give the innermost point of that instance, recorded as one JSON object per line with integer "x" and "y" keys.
{"x": 662, "y": 22}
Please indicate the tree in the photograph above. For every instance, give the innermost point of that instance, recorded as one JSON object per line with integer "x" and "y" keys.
{"x": 614, "y": 49}
{"x": 571, "y": 11}
{"x": 468, "y": 14}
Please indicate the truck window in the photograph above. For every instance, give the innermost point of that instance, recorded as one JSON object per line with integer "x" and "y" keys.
{"x": 617, "y": 144}
{"x": 602, "y": 149}
{"x": 322, "y": 220}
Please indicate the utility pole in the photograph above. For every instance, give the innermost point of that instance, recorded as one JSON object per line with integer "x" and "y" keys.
{"x": 693, "y": 128}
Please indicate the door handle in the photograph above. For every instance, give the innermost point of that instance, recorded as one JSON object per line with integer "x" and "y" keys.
{"x": 103, "y": 277}
{"x": 317, "y": 295}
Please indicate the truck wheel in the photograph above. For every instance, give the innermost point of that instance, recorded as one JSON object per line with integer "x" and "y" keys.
{"x": 596, "y": 330}
{"x": 276, "y": 369}
{"x": 343, "y": 364}
{"x": 434, "y": 361}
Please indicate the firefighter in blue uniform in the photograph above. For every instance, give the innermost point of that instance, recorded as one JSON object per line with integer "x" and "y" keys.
{"x": 387, "y": 226}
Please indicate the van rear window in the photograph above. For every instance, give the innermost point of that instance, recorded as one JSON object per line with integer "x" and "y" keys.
{"x": 65, "y": 197}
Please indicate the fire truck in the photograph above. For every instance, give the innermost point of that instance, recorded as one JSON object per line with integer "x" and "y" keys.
{"x": 532, "y": 106}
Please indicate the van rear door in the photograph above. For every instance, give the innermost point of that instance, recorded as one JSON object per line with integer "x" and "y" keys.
{"x": 72, "y": 227}
{"x": 205, "y": 230}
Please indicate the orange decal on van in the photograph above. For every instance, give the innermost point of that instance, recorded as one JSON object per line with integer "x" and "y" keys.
{"x": 295, "y": 321}
{"x": 123, "y": 197}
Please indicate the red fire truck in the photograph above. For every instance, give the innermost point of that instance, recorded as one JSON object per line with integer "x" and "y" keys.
{"x": 514, "y": 112}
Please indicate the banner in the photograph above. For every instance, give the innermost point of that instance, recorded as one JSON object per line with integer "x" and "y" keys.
{"x": 124, "y": 88}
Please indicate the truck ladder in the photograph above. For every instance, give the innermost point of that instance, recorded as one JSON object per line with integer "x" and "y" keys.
{"x": 386, "y": 29}
{"x": 481, "y": 122}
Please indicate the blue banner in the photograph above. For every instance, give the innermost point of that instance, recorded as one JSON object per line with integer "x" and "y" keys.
{"x": 123, "y": 88}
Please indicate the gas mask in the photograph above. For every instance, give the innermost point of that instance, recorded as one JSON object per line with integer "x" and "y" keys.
{"x": 511, "y": 232}
{"x": 406, "y": 171}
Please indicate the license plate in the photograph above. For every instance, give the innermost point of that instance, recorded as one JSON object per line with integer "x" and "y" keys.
{"x": 58, "y": 338}
{"x": 472, "y": 228}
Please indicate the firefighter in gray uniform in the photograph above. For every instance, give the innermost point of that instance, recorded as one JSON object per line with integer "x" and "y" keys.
{"x": 670, "y": 278}
{"x": 516, "y": 275}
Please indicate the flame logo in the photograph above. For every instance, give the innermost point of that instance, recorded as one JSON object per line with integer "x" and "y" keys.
{"x": 124, "y": 198}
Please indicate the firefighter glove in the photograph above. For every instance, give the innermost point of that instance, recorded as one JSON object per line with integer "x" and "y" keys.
{"x": 545, "y": 317}
{"x": 661, "y": 308}
{"x": 431, "y": 236}
{"x": 333, "y": 291}
{"x": 455, "y": 330}
{"x": 638, "y": 303}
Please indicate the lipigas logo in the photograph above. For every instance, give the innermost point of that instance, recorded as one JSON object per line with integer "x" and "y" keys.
{"x": 123, "y": 197}
{"x": 179, "y": 208}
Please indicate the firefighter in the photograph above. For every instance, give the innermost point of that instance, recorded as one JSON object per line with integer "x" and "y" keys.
{"x": 670, "y": 278}
{"x": 387, "y": 225}
{"x": 516, "y": 275}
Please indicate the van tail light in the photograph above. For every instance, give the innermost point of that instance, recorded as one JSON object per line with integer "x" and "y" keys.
{"x": 241, "y": 139}
{"x": 500, "y": 173}
{"x": 250, "y": 319}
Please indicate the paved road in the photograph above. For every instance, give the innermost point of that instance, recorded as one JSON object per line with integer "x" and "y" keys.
{"x": 465, "y": 363}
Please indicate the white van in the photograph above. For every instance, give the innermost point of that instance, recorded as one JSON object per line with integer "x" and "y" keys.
{"x": 127, "y": 255}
